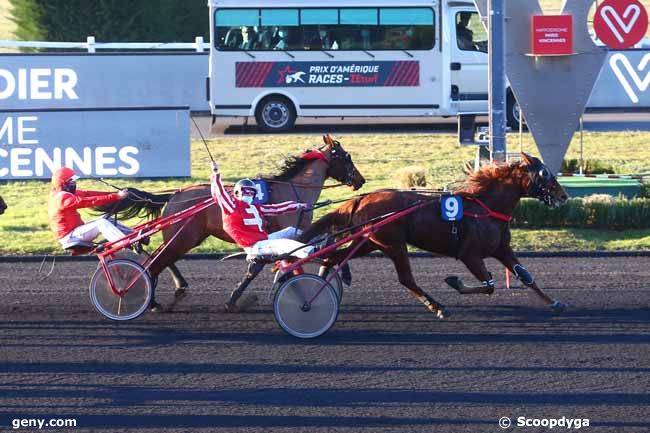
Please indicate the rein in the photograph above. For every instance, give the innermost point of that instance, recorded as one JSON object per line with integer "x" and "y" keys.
{"x": 303, "y": 185}
{"x": 490, "y": 213}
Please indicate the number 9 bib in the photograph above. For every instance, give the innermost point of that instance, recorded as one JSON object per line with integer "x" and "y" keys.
{"x": 451, "y": 208}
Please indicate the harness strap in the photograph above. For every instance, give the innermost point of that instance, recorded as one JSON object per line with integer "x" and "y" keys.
{"x": 301, "y": 213}
{"x": 455, "y": 239}
{"x": 490, "y": 213}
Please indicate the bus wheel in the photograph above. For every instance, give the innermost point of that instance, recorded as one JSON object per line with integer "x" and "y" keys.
{"x": 512, "y": 113}
{"x": 275, "y": 114}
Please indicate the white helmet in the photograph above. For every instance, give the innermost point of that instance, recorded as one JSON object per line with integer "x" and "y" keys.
{"x": 244, "y": 189}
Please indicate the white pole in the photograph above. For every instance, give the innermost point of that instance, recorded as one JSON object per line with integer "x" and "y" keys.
{"x": 90, "y": 42}
{"x": 199, "y": 44}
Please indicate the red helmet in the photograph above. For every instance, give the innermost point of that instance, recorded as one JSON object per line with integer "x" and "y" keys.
{"x": 62, "y": 176}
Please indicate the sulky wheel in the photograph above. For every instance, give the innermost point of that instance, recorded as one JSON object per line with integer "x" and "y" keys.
{"x": 306, "y": 306}
{"x": 314, "y": 268}
{"x": 133, "y": 302}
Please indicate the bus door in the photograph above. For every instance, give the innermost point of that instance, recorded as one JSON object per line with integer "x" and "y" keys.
{"x": 469, "y": 60}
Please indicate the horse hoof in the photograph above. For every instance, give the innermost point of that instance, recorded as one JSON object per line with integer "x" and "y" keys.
{"x": 231, "y": 308}
{"x": 155, "y": 307}
{"x": 558, "y": 307}
{"x": 454, "y": 282}
{"x": 179, "y": 294}
{"x": 436, "y": 309}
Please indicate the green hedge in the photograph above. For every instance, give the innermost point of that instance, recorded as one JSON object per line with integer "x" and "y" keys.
{"x": 598, "y": 212}
{"x": 591, "y": 166}
{"x": 111, "y": 20}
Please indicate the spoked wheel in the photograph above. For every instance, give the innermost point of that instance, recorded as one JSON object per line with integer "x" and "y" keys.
{"x": 132, "y": 256}
{"x": 132, "y": 302}
{"x": 314, "y": 268}
{"x": 306, "y": 306}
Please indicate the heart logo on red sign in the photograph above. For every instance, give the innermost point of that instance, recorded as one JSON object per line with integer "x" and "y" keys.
{"x": 621, "y": 23}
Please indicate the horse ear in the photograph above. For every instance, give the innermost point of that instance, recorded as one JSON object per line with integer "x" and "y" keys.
{"x": 327, "y": 139}
{"x": 527, "y": 159}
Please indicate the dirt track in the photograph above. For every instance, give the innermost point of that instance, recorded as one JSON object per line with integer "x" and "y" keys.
{"x": 387, "y": 365}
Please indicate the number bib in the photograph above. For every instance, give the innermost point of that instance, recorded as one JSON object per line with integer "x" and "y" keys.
{"x": 451, "y": 208}
{"x": 262, "y": 196}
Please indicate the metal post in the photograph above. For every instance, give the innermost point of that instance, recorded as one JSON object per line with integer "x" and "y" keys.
{"x": 582, "y": 160}
{"x": 497, "y": 80}
{"x": 521, "y": 129}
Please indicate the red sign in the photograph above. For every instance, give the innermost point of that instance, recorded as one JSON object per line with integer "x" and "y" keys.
{"x": 621, "y": 23}
{"x": 552, "y": 35}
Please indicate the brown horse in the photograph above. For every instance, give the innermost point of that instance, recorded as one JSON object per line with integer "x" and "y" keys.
{"x": 3, "y": 206}
{"x": 489, "y": 197}
{"x": 301, "y": 179}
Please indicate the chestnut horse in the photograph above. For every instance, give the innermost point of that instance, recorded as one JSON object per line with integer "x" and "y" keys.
{"x": 302, "y": 179}
{"x": 489, "y": 197}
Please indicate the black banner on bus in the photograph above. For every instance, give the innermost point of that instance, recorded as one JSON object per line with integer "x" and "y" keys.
{"x": 327, "y": 74}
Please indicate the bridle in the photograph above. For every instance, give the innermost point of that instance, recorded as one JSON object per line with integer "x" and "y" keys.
{"x": 338, "y": 154}
{"x": 541, "y": 183}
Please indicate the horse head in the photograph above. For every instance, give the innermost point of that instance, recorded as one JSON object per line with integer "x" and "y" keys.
{"x": 3, "y": 206}
{"x": 340, "y": 165}
{"x": 540, "y": 183}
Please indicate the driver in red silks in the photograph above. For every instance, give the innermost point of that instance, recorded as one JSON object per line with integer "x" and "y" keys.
{"x": 245, "y": 221}
{"x": 65, "y": 221}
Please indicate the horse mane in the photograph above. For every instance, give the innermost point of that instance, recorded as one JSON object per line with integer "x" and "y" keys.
{"x": 289, "y": 168}
{"x": 483, "y": 180}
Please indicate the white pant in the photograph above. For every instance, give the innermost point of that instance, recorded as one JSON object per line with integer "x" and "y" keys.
{"x": 89, "y": 231}
{"x": 278, "y": 243}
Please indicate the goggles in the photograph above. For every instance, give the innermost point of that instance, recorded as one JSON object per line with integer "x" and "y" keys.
{"x": 249, "y": 191}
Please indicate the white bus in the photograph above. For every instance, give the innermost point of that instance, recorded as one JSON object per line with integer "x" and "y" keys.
{"x": 277, "y": 60}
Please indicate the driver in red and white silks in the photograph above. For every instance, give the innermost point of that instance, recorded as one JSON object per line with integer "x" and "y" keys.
{"x": 65, "y": 221}
{"x": 245, "y": 220}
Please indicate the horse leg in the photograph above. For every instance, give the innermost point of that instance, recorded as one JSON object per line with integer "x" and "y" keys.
{"x": 510, "y": 261}
{"x": 399, "y": 255}
{"x": 338, "y": 256}
{"x": 254, "y": 268}
{"x": 177, "y": 277}
{"x": 346, "y": 273}
{"x": 166, "y": 259}
{"x": 476, "y": 266}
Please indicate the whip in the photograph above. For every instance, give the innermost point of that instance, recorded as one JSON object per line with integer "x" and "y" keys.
{"x": 205, "y": 143}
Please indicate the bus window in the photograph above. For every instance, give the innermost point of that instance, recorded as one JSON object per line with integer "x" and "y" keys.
{"x": 280, "y": 29}
{"x": 233, "y": 26}
{"x": 406, "y": 29}
{"x": 270, "y": 29}
{"x": 470, "y": 33}
{"x": 357, "y": 29}
{"x": 318, "y": 27}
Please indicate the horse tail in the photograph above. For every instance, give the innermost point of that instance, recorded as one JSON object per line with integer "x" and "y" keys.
{"x": 140, "y": 204}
